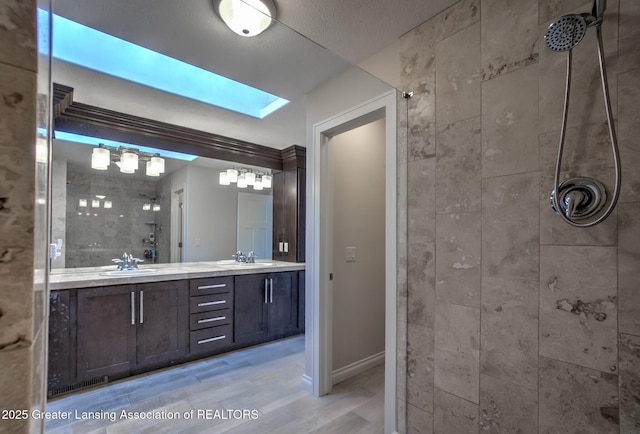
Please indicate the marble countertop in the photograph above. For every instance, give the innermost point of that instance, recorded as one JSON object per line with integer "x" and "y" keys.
{"x": 91, "y": 277}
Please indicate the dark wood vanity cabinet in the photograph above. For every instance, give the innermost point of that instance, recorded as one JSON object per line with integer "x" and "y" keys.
{"x": 110, "y": 332}
{"x": 289, "y": 202}
{"x": 127, "y": 329}
{"x": 265, "y": 307}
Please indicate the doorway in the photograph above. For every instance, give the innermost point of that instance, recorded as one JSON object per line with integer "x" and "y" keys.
{"x": 319, "y": 372}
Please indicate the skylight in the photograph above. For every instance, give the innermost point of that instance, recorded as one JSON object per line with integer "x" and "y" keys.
{"x": 95, "y": 141}
{"x": 89, "y": 48}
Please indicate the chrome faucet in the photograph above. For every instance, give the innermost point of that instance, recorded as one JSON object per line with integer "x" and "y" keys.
{"x": 249, "y": 258}
{"x": 128, "y": 262}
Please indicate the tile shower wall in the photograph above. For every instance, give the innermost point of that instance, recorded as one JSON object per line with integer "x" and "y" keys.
{"x": 517, "y": 322}
{"x": 23, "y": 172}
{"x": 94, "y": 236}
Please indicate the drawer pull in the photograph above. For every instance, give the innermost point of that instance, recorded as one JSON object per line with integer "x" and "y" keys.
{"x": 218, "y": 318}
{"x": 211, "y": 303}
{"x": 217, "y": 338}
{"x": 219, "y": 285}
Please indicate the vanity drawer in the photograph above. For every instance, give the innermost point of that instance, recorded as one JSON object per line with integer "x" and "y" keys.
{"x": 207, "y": 303}
{"x": 210, "y": 339}
{"x": 211, "y": 285}
{"x": 214, "y": 318}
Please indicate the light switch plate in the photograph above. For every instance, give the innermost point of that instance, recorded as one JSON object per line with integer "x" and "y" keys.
{"x": 351, "y": 254}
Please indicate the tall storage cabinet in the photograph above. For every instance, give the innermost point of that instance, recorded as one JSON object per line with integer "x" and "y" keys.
{"x": 289, "y": 202}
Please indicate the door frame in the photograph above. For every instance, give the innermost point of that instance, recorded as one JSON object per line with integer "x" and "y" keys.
{"x": 319, "y": 308}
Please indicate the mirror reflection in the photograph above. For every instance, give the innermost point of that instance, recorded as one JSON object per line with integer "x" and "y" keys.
{"x": 97, "y": 215}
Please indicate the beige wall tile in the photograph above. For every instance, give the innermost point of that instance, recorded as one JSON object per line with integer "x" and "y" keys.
{"x": 578, "y": 305}
{"x": 510, "y": 123}
{"x": 510, "y": 233}
{"x": 458, "y": 246}
{"x": 629, "y": 384}
{"x": 457, "y": 346}
{"x": 454, "y": 415}
{"x": 629, "y": 268}
{"x": 629, "y": 134}
{"x": 18, "y": 34}
{"x": 459, "y": 16}
{"x": 552, "y": 9}
{"x": 458, "y": 167}
{"x": 510, "y": 330}
{"x": 418, "y": 421}
{"x": 577, "y": 399}
{"x": 458, "y": 76}
{"x": 509, "y": 36}
{"x": 629, "y": 35}
{"x": 421, "y": 288}
{"x": 507, "y": 408}
{"x": 420, "y": 367}
{"x": 421, "y": 200}
{"x": 15, "y": 383}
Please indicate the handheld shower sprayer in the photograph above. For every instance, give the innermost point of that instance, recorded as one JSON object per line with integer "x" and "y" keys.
{"x": 579, "y": 199}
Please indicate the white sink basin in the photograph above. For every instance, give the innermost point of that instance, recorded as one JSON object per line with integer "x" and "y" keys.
{"x": 129, "y": 273}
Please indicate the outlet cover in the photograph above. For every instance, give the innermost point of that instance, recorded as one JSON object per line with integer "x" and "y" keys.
{"x": 351, "y": 254}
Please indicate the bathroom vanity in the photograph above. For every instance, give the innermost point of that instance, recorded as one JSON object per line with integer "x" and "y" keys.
{"x": 105, "y": 326}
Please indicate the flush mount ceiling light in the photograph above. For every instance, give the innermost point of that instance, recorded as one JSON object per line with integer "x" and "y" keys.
{"x": 246, "y": 17}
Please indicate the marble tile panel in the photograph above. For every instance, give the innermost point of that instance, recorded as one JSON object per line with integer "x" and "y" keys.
{"x": 587, "y": 152}
{"x": 578, "y": 305}
{"x": 509, "y": 36}
{"x": 452, "y": 414}
{"x": 457, "y": 350}
{"x": 461, "y": 15}
{"x": 458, "y": 76}
{"x": 17, "y": 109}
{"x": 629, "y": 268}
{"x": 16, "y": 367}
{"x": 458, "y": 247}
{"x": 552, "y": 9}
{"x": 458, "y": 169}
{"x": 629, "y": 384}
{"x": 587, "y": 106}
{"x": 629, "y": 49}
{"x": 421, "y": 201}
{"x": 507, "y": 408}
{"x": 18, "y": 34}
{"x": 420, "y": 367}
{"x": 510, "y": 123}
{"x": 418, "y": 421}
{"x": 421, "y": 121}
{"x": 510, "y": 330}
{"x": 628, "y": 133}
{"x": 577, "y": 399}
{"x": 510, "y": 226}
{"x": 421, "y": 288}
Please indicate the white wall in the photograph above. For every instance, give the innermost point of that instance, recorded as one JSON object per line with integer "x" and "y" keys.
{"x": 334, "y": 97}
{"x": 358, "y": 206}
{"x": 211, "y": 216}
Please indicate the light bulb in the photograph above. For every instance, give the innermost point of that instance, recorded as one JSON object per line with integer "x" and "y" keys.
{"x": 242, "y": 181}
{"x": 266, "y": 181}
{"x": 152, "y": 169}
{"x": 128, "y": 162}
{"x": 250, "y": 177}
{"x": 100, "y": 158}
{"x": 257, "y": 185}
{"x": 158, "y": 164}
{"x": 232, "y": 175}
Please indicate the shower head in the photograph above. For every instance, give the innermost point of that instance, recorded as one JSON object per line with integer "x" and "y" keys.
{"x": 565, "y": 33}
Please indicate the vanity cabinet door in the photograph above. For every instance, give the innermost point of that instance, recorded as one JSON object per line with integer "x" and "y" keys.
{"x": 106, "y": 332}
{"x": 282, "y": 305}
{"x": 162, "y": 323}
{"x": 250, "y": 309}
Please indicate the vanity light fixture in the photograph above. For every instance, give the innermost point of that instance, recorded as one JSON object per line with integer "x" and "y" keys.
{"x": 127, "y": 159}
{"x": 224, "y": 178}
{"x": 146, "y": 207}
{"x": 95, "y": 203}
{"x": 82, "y": 203}
{"x": 242, "y": 181}
{"x": 108, "y": 204}
{"x": 156, "y": 207}
{"x": 246, "y": 17}
{"x": 245, "y": 178}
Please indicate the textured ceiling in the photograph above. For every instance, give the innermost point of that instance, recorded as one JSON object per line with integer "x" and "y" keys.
{"x": 282, "y": 61}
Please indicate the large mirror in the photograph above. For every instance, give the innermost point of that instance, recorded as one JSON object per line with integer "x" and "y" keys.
{"x": 184, "y": 215}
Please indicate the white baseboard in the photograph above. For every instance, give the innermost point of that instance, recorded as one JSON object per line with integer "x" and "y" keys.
{"x": 307, "y": 384}
{"x": 356, "y": 368}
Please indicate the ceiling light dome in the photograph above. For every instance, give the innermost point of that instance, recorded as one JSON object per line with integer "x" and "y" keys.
{"x": 246, "y": 17}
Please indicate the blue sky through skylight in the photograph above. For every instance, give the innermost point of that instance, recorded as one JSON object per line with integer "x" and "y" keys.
{"x": 94, "y": 141}
{"x": 89, "y": 48}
